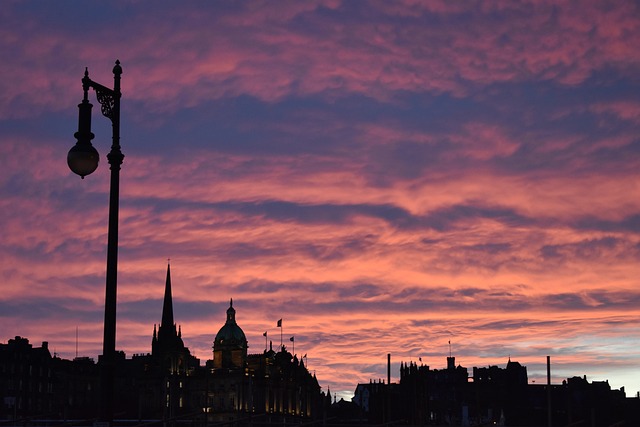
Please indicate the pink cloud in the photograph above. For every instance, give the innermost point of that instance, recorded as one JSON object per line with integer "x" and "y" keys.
{"x": 461, "y": 248}
{"x": 260, "y": 53}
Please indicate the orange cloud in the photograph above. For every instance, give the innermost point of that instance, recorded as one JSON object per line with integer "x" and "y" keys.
{"x": 386, "y": 179}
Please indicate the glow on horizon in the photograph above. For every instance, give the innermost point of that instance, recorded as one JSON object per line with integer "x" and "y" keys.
{"x": 386, "y": 177}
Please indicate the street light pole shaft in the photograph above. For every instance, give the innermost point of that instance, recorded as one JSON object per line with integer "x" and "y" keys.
{"x": 83, "y": 160}
{"x": 110, "y": 101}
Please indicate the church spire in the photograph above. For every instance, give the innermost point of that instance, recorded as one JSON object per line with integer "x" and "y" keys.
{"x": 169, "y": 348}
{"x": 167, "y": 307}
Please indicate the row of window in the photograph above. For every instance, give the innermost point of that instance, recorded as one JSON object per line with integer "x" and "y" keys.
{"x": 19, "y": 368}
{"x": 31, "y": 386}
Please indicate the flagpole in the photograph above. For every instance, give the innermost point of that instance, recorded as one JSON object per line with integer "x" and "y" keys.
{"x": 265, "y": 340}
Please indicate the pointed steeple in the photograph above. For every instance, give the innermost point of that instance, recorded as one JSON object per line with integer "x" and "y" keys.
{"x": 168, "y": 337}
{"x": 167, "y": 345}
{"x": 167, "y": 307}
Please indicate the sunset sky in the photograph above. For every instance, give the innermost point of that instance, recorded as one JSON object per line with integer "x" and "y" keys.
{"x": 385, "y": 176}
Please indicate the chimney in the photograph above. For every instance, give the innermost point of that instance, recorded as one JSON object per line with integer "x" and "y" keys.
{"x": 388, "y": 368}
{"x": 549, "y": 418}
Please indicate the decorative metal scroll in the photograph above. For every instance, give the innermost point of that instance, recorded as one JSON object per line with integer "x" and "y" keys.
{"x": 107, "y": 102}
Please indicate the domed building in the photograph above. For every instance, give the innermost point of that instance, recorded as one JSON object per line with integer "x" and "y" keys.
{"x": 268, "y": 385}
{"x": 230, "y": 345}
{"x": 169, "y": 383}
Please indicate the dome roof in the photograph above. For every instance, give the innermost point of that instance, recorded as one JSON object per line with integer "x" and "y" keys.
{"x": 230, "y": 334}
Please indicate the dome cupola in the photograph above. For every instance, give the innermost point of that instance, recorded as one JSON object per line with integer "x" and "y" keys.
{"x": 230, "y": 345}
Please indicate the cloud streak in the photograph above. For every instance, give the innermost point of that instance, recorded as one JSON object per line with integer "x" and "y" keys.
{"x": 386, "y": 177}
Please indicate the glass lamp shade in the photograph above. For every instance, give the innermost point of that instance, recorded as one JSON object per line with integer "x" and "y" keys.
{"x": 83, "y": 159}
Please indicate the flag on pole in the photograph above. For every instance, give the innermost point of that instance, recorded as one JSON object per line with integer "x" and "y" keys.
{"x": 291, "y": 339}
{"x": 265, "y": 334}
{"x": 280, "y": 323}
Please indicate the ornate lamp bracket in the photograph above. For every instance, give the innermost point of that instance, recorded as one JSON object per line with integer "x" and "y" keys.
{"x": 107, "y": 101}
{"x": 106, "y": 97}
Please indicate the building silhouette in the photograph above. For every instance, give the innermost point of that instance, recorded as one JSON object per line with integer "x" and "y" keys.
{"x": 167, "y": 384}
{"x": 26, "y": 380}
{"x": 491, "y": 396}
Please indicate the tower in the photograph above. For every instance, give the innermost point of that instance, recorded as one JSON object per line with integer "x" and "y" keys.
{"x": 167, "y": 346}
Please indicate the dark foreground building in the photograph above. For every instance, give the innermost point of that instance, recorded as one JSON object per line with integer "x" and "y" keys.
{"x": 491, "y": 396}
{"x": 168, "y": 384}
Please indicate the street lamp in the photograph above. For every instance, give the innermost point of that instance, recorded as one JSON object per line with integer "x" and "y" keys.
{"x": 83, "y": 160}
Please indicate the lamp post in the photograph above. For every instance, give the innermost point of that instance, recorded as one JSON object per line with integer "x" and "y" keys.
{"x": 83, "y": 160}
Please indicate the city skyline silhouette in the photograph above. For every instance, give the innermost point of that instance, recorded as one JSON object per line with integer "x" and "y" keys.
{"x": 275, "y": 386}
{"x": 167, "y": 337}
{"x": 384, "y": 177}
